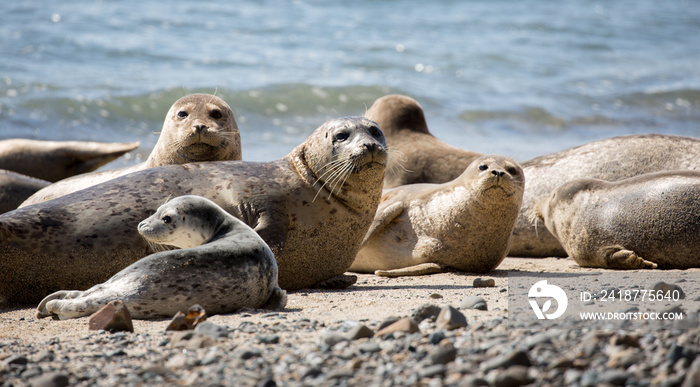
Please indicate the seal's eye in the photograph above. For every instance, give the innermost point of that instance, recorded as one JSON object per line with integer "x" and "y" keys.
{"x": 182, "y": 114}
{"x": 342, "y": 136}
{"x": 375, "y": 132}
{"x": 215, "y": 114}
{"x": 512, "y": 171}
{"x": 167, "y": 219}
{"x": 483, "y": 167}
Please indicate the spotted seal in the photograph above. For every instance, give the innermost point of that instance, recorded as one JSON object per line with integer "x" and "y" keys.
{"x": 198, "y": 127}
{"x": 57, "y": 160}
{"x": 312, "y": 208}
{"x": 643, "y": 222}
{"x": 16, "y": 188}
{"x": 611, "y": 159}
{"x": 416, "y": 156}
{"x": 465, "y": 224}
{"x": 222, "y": 265}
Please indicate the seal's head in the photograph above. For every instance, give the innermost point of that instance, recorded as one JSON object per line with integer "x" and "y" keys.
{"x": 198, "y": 127}
{"x": 345, "y": 156}
{"x": 562, "y": 199}
{"x": 394, "y": 113}
{"x": 184, "y": 222}
{"x": 496, "y": 174}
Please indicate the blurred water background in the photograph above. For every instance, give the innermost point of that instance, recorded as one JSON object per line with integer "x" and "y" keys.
{"x": 518, "y": 78}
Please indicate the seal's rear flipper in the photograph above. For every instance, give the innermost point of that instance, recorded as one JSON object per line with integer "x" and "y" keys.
{"x": 617, "y": 257}
{"x": 277, "y": 300}
{"x": 422, "y": 269}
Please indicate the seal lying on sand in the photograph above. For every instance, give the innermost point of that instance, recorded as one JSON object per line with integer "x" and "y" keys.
{"x": 56, "y": 160}
{"x": 465, "y": 224}
{"x": 223, "y": 266}
{"x": 611, "y": 160}
{"x": 638, "y": 223}
{"x": 415, "y": 155}
{"x": 16, "y": 188}
{"x": 198, "y": 127}
{"x": 311, "y": 207}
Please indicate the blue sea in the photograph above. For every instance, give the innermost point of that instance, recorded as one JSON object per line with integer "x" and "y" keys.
{"x": 517, "y": 78}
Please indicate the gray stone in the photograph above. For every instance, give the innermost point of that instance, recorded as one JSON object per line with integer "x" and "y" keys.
{"x": 614, "y": 377}
{"x": 506, "y": 361}
{"x": 484, "y": 283}
{"x": 211, "y": 329}
{"x": 359, "y": 332}
{"x": 425, "y": 311}
{"x": 513, "y": 377}
{"x": 50, "y": 379}
{"x": 433, "y": 371}
{"x": 443, "y": 354}
{"x": 369, "y": 347}
{"x": 191, "y": 340}
{"x": 473, "y": 302}
{"x": 669, "y": 290}
{"x": 450, "y": 318}
{"x": 436, "y": 337}
{"x": 332, "y": 338}
{"x": 269, "y": 339}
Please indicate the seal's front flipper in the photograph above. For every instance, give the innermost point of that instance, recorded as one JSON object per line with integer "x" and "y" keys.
{"x": 42, "y": 311}
{"x": 277, "y": 300}
{"x": 617, "y": 257}
{"x": 338, "y": 282}
{"x": 422, "y": 269}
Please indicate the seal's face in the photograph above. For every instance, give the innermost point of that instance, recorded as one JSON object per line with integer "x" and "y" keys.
{"x": 183, "y": 222}
{"x": 497, "y": 173}
{"x": 202, "y": 128}
{"x": 345, "y": 151}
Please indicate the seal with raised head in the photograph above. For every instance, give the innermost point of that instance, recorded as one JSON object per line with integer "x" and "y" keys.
{"x": 643, "y": 222}
{"x": 611, "y": 159}
{"x": 465, "y": 224}
{"x": 57, "y": 160}
{"x": 312, "y": 207}
{"x": 415, "y": 155}
{"x": 198, "y": 127}
{"x": 222, "y": 265}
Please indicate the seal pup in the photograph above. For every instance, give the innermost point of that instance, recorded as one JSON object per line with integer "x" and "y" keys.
{"x": 312, "y": 207}
{"x": 643, "y": 222}
{"x": 415, "y": 155}
{"x": 16, "y": 188}
{"x": 57, "y": 160}
{"x": 198, "y": 127}
{"x": 465, "y": 224}
{"x": 223, "y": 265}
{"x": 611, "y": 159}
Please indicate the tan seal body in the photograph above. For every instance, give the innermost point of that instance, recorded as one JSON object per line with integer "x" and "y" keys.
{"x": 311, "y": 207}
{"x": 465, "y": 224}
{"x": 198, "y": 127}
{"x": 636, "y": 223}
{"x": 223, "y": 266}
{"x": 416, "y": 156}
{"x": 16, "y": 188}
{"x": 611, "y": 160}
{"x": 56, "y": 160}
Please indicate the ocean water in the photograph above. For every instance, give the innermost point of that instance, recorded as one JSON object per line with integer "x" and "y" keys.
{"x": 518, "y": 78}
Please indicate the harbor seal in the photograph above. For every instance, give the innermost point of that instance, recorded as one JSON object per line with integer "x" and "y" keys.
{"x": 415, "y": 155}
{"x": 57, "y": 160}
{"x": 643, "y": 222}
{"x": 198, "y": 127}
{"x": 222, "y": 265}
{"x": 611, "y": 159}
{"x": 16, "y": 188}
{"x": 311, "y": 207}
{"x": 465, "y": 224}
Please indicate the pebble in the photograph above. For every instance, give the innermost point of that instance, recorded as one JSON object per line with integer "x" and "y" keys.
{"x": 436, "y": 337}
{"x": 113, "y": 317}
{"x": 425, "y": 311}
{"x": 405, "y": 324}
{"x": 369, "y": 347}
{"x": 211, "y": 329}
{"x": 450, "y": 318}
{"x": 50, "y": 379}
{"x": 359, "y": 331}
{"x": 668, "y": 290}
{"x": 506, "y": 361}
{"x": 513, "y": 377}
{"x": 444, "y": 354}
{"x": 191, "y": 340}
{"x": 269, "y": 339}
{"x": 484, "y": 283}
{"x": 433, "y": 371}
{"x": 473, "y": 302}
